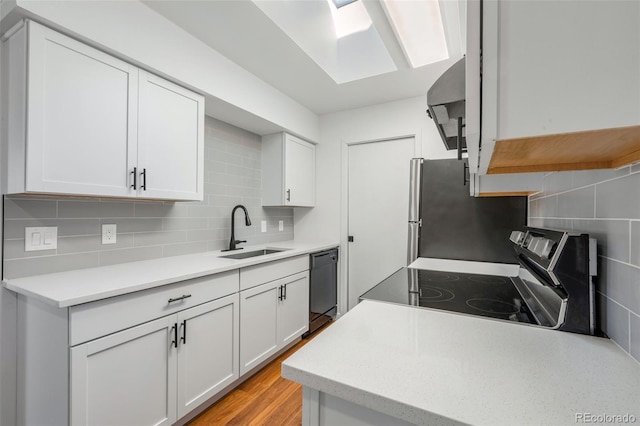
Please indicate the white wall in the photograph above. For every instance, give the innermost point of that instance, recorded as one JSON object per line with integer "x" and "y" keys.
{"x": 606, "y": 205}
{"x": 7, "y": 299}
{"x": 391, "y": 120}
{"x": 138, "y": 34}
{"x": 384, "y": 121}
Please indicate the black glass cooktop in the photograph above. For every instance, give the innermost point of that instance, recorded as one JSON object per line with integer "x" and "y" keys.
{"x": 484, "y": 295}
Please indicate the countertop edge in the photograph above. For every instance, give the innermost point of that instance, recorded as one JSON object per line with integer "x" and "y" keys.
{"x": 369, "y": 400}
{"x": 29, "y": 286}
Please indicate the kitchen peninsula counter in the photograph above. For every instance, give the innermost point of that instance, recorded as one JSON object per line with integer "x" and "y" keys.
{"x": 425, "y": 366}
{"x": 64, "y": 289}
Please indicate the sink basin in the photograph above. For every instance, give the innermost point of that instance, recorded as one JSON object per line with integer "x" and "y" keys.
{"x": 247, "y": 254}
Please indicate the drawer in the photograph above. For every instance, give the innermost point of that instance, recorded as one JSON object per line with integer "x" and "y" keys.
{"x": 265, "y": 272}
{"x": 92, "y": 320}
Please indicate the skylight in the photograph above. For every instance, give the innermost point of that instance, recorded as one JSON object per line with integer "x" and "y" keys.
{"x": 418, "y": 25}
{"x": 356, "y": 39}
{"x": 349, "y": 17}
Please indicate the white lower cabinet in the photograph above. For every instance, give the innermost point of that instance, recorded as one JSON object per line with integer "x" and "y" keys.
{"x": 207, "y": 351}
{"x": 293, "y": 310}
{"x": 127, "y": 378}
{"x": 157, "y": 372}
{"x": 271, "y": 316}
{"x": 151, "y": 357}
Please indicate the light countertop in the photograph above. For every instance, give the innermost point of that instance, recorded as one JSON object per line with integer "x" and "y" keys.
{"x": 70, "y": 288}
{"x": 466, "y": 266}
{"x": 435, "y": 367}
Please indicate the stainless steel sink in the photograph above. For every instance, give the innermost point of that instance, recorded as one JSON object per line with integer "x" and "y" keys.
{"x": 247, "y": 254}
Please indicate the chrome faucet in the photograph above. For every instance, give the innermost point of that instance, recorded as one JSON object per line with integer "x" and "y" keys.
{"x": 247, "y": 221}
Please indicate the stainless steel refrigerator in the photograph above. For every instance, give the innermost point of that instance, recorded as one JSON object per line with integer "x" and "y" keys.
{"x": 445, "y": 222}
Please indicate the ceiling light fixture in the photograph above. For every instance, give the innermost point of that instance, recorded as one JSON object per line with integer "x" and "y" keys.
{"x": 349, "y": 17}
{"x": 419, "y": 28}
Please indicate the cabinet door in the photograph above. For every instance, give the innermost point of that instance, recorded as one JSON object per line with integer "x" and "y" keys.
{"x": 82, "y": 112}
{"x": 258, "y": 324}
{"x": 208, "y": 351}
{"x": 293, "y": 310}
{"x": 127, "y": 378}
{"x": 170, "y": 140}
{"x": 299, "y": 170}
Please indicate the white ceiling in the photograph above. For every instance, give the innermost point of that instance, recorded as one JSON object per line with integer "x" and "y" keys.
{"x": 242, "y": 32}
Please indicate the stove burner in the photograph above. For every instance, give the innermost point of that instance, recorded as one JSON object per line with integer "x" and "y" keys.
{"x": 435, "y": 294}
{"x": 493, "y": 306}
{"x": 438, "y": 276}
{"x": 487, "y": 279}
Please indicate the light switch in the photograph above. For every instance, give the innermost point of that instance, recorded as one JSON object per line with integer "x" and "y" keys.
{"x": 263, "y": 226}
{"x": 281, "y": 225}
{"x": 36, "y": 238}
{"x": 48, "y": 238}
{"x": 40, "y": 238}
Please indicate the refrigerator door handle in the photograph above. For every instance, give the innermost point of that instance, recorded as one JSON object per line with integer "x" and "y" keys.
{"x": 415, "y": 222}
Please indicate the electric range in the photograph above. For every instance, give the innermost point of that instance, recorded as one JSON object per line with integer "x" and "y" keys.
{"x": 552, "y": 286}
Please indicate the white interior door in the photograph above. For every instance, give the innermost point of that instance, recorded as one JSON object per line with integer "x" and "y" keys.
{"x": 378, "y": 212}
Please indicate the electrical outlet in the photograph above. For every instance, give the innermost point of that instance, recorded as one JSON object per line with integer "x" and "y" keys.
{"x": 109, "y": 233}
{"x": 40, "y": 238}
{"x": 263, "y": 226}
{"x": 281, "y": 225}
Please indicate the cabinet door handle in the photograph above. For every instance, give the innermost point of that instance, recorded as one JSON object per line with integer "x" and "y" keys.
{"x": 280, "y": 293}
{"x": 144, "y": 179}
{"x": 464, "y": 174}
{"x": 174, "y": 330}
{"x": 288, "y": 195}
{"x": 183, "y": 339}
{"x": 285, "y": 292}
{"x": 135, "y": 178}
{"x": 177, "y": 299}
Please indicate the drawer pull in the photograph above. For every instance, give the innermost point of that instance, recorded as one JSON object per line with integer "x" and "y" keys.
{"x": 177, "y": 299}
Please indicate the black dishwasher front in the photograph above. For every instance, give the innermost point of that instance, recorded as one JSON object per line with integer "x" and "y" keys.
{"x": 323, "y": 292}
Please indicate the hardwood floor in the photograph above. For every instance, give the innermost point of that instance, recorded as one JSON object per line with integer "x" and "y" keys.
{"x": 264, "y": 399}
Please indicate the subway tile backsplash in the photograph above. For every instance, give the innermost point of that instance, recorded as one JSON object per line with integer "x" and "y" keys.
{"x": 147, "y": 229}
{"x": 605, "y": 204}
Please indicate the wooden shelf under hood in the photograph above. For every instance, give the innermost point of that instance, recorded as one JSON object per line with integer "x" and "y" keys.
{"x": 593, "y": 149}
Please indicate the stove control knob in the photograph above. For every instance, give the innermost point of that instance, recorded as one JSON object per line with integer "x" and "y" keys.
{"x": 533, "y": 244}
{"x": 517, "y": 237}
{"x": 543, "y": 247}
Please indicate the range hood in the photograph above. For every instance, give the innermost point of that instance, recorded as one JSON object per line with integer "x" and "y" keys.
{"x": 446, "y": 103}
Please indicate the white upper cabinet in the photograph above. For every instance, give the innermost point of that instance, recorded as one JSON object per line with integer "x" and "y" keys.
{"x": 170, "y": 140}
{"x": 81, "y": 110}
{"x": 82, "y": 122}
{"x": 560, "y": 85}
{"x": 288, "y": 171}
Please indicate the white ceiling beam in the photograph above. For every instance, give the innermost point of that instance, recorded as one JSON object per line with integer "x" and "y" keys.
{"x": 388, "y": 36}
